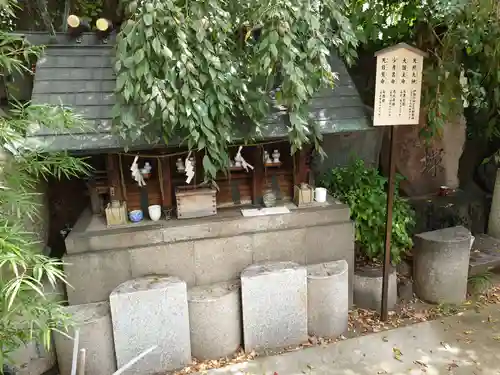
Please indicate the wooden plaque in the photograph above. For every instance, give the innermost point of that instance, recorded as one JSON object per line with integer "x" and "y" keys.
{"x": 398, "y": 85}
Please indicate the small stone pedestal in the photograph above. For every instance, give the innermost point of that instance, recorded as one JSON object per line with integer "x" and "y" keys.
{"x": 96, "y": 337}
{"x": 215, "y": 320}
{"x": 151, "y": 311}
{"x": 327, "y": 298}
{"x": 368, "y": 288}
{"x": 274, "y": 297}
{"x": 441, "y": 265}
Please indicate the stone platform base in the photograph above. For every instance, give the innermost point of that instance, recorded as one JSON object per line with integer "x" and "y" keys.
{"x": 201, "y": 251}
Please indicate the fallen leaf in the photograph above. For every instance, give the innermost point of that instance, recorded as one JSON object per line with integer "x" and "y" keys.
{"x": 420, "y": 363}
{"x": 385, "y": 339}
{"x": 397, "y": 354}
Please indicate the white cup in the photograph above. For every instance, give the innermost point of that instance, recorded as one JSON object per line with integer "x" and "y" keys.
{"x": 154, "y": 212}
{"x": 320, "y": 195}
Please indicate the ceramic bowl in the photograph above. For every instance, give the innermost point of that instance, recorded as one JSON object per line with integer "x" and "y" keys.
{"x": 135, "y": 216}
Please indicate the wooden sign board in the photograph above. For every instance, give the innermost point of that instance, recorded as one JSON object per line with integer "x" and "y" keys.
{"x": 398, "y": 85}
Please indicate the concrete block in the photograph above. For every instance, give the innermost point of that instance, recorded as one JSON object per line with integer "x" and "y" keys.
{"x": 151, "y": 311}
{"x": 326, "y": 243}
{"x": 327, "y": 298}
{"x": 276, "y": 246}
{"x": 96, "y": 336}
{"x": 221, "y": 259}
{"x": 215, "y": 319}
{"x": 32, "y": 359}
{"x": 367, "y": 288}
{"x": 131, "y": 237}
{"x": 93, "y": 276}
{"x": 441, "y": 265}
{"x": 274, "y": 301}
{"x": 165, "y": 259}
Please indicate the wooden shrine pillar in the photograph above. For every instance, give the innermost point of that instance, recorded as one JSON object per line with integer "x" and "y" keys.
{"x": 114, "y": 178}
{"x": 258, "y": 176}
{"x": 166, "y": 182}
{"x": 301, "y": 171}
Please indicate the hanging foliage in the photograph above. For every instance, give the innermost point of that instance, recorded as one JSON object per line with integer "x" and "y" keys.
{"x": 463, "y": 41}
{"x": 199, "y": 70}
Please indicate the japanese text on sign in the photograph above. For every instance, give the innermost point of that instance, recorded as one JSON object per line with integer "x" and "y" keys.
{"x": 398, "y": 87}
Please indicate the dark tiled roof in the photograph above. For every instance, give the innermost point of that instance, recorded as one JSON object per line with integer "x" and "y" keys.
{"x": 81, "y": 76}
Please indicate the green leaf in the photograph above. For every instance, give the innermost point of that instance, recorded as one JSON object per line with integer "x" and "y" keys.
{"x": 148, "y": 19}
{"x": 138, "y": 56}
{"x": 273, "y": 37}
{"x": 156, "y": 46}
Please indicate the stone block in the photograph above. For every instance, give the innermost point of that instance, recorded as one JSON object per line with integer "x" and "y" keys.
{"x": 441, "y": 265}
{"x": 215, "y": 319}
{"x": 276, "y": 246}
{"x": 327, "y": 298}
{"x": 93, "y": 321}
{"x": 274, "y": 301}
{"x": 93, "y": 276}
{"x": 132, "y": 237}
{"x": 175, "y": 259}
{"x": 326, "y": 243}
{"x": 221, "y": 259}
{"x": 151, "y": 311}
{"x": 32, "y": 359}
{"x": 367, "y": 288}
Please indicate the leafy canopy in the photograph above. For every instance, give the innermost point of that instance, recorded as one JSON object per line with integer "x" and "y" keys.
{"x": 463, "y": 41}
{"x": 201, "y": 69}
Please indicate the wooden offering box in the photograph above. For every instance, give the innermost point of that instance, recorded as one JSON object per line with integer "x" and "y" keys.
{"x": 195, "y": 202}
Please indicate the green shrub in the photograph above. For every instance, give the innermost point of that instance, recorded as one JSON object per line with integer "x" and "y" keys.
{"x": 363, "y": 189}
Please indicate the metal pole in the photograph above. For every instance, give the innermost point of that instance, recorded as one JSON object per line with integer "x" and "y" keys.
{"x": 388, "y": 228}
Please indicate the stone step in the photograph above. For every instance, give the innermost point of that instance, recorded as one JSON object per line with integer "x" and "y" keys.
{"x": 93, "y": 275}
{"x": 485, "y": 254}
{"x": 91, "y": 233}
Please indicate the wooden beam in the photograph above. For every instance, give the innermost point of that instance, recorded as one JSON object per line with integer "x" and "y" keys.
{"x": 114, "y": 182}
{"x": 167, "y": 183}
{"x": 301, "y": 173}
{"x": 258, "y": 176}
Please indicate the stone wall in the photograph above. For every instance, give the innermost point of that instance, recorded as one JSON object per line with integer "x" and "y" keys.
{"x": 201, "y": 251}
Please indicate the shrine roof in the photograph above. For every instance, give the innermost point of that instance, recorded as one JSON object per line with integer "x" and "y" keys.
{"x": 81, "y": 77}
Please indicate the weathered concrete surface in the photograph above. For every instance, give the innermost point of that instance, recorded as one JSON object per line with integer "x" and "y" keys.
{"x": 96, "y": 336}
{"x": 441, "y": 265}
{"x": 32, "y": 359}
{"x": 367, "y": 288}
{"x": 327, "y": 299}
{"x": 485, "y": 254}
{"x": 95, "y": 274}
{"x": 215, "y": 319}
{"x": 151, "y": 311}
{"x": 91, "y": 233}
{"x": 432, "y": 348}
{"x": 274, "y": 301}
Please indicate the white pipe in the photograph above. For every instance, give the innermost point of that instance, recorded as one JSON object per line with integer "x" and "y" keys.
{"x": 133, "y": 361}
{"x": 75, "y": 351}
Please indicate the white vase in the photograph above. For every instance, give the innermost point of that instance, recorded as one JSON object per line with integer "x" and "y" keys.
{"x": 154, "y": 212}
{"x": 276, "y": 156}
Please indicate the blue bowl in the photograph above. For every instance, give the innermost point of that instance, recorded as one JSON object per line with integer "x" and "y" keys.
{"x": 135, "y": 216}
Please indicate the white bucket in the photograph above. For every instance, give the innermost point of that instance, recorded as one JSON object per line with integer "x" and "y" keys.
{"x": 320, "y": 195}
{"x": 154, "y": 212}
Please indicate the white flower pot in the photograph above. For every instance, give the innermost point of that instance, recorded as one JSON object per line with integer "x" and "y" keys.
{"x": 154, "y": 212}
